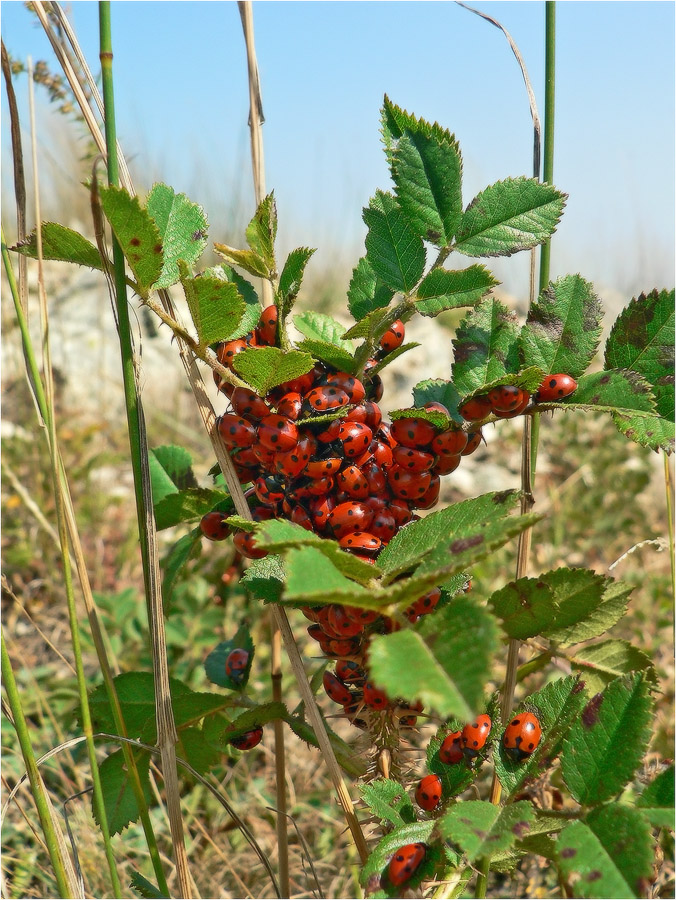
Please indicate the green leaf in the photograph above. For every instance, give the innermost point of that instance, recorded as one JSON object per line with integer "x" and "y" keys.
{"x": 161, "y": 483}
{"x": 654, "y": 432}
{"x": 442, "y": 289}
{"x": 313, "y": 578}
{"x": 214, "y": 664}
{"x": 62, "y": 244}
{"x": 388, "y": 801}
{"x": 195, "y": 749}
{"x": 366, "y": 292}
{"x": 443, "y": 392}
{"x": 656, "y": 802}
{"x": 642, "y": 339}
{"x": 353, "y": 764}
{"x": 292, "y": 277}
{"x": 510, "y": 215}
{"x": 485, "y": 346}
{"x": 588, "y": 604}
{"x": 526, "y": 607}
{"x": 418, "y": 538}
{"x": 321, "y": 327}
{"x": 183, "y": 229}
{"x": 395, "y": 252}
{"x": 252, "y": 718}
{"x": 244, "y": 259}
{"x": 379, "y": 859}
{"x": 563, "y": 328}
{"x": 434, "y": 416}
{"x": 174, "y": 561}
{"x": 216, "y": 306}
{"x": 607, "y": 742}
{"x": 143, "y": 887}
{"x": 177, "y": 463}
{"x": 264, "y": 579}
{"x": 483, "y": 829}
{"x": 266, "y": 367}
{"x": 185, "y": 506}
{"x": 602, "y": 663}
{"x": 138, "y": 235}
{"x": 614, "y": 390}
{"x": 252, "y": 309}
{"x": 386, "y": 360}
{"x": 444, "y": 662}
{"x": 118, "y": 797}
{"x": 610, "y": 854}
{"x": 335, "y": 356}
{"x": 427, "y": 174}
{"x": 262, "y": 231}
{"x": 454, "y": 778}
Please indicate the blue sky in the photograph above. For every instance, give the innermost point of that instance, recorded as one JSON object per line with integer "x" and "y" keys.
{"x": 182, "y": 106}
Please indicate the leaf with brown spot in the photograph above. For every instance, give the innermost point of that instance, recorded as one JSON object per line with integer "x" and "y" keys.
{"x": 482, "y": 829}
{"x": 137, "y": 235}
{"x": 485, "y": 346}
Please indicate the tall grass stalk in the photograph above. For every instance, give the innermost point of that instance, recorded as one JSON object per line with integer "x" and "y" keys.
{"x": 166, "y": 728}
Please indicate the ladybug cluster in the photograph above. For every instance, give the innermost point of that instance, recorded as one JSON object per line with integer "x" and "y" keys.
{"x": 235, "y": 668}
{"x": 508, "y": 401}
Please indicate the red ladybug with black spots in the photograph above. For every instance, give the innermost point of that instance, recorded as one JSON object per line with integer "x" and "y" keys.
{"x": 522, "y": 736}
{"x": 236, "y": 665}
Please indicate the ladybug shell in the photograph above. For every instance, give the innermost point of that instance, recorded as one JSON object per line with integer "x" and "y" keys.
{"x": 324, "y": 399}
{"x": 374, "y": 416}
{"x": 361, "y": 542}
{"x": 214, "y": 527}
{"x": 292, "y": 462}
{"x": 290, "y": 405}
{"x": 413, "y": 460}
{"x": 300, "y": 516}
{"x": 474, "y": 439}
{"x": 336, "y": 689}
{"x": 317, "y": 468}
{"x": 235, "y": 431}
{"x": 413, "y": 433}
{"x": 268, "y": 490}
{"x": 474, "y": 736}
{"x": 353, "y": 482}
{"x": 373, "y": 697}
{"x": 355, "y": 437}
{"x": 235, "y": 665}
{"x": 349, "y": 517}
{"x": 383, "y": 526}
{"x": 405, "y": 862}
{"x": 517, "y": 409}
{"x": 248, "y": 740}
{"x": 449, "y": 443}
{"x": 245, "y": 544}
{"x": 450, "y": 751}
{"x": 342, "y": 624}
{"x": 556, "y": 387}
{"x": 267, "y": 325}
{"x": 277, "y": 433}
{"x": 364, "y": 616}
{"x": 522, "y": 735}
{"x": 475, "y": 409}
{"x": 505, "y": 398}
{"x": 429, "y": 498}
{"x": 427, "y": 603}
{"x": 349, "y": 672}
{"x": 228, "y": 351}
{"x": 248, "y": 404}
{"x": 428, "y": 792}
{"x": 408, "y": 485}
{"x": 348, "y": 383}
{"x": 393, "y": 337}
{"x": 446, "y": 464}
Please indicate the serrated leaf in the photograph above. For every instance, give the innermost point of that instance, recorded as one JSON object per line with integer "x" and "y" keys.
{"x": 183, "y": 229}
{"x": 394, "y": 251}
{"x": 656, "y": 802}
{"x": 653, "y": 432}
{"x": 444, "y": 662}
{"x": 266, "y": 367}
{"x": 442, "y": 289}
{"x": 410, "y": 544}
{"x": 137, "y": 234}
{"x": 607, "y": 742}
{"x": 483, "y": 829}
{"x": 526, "y": 607}
{"x": 118, "y": 797}
{"x": 252, "y": 308}
{"x": 528, "y": 379}
{"x": 443, "y": 392}
{"x": 485, "y": 346}
{"x": 194, "y": 749}
{"x": 292, "y": 277}
{"x": 388, "y": 801}
{"x": 262, "y": 231}
{"x": 177, "y": 463}
{"x": 563, "y": 328}
{"x": 185, "y": 506}
{"x": 588, "y": 604}
{"x": 380, "y": 857}
{"x": 322, "y": 327}
{"x": 143, "y": 887}
{"x": 427, "y": 174}
{"x": 434, "y": 416}
{"x": 366, "y": 292}
{"x": 311, "y": 577}
{"x": 390, "y": 358}
{"x": 348, "y": 760}
{"x": 454, "y": 778}
{"x": 610, "y": 854}
{"x": 244, "y": 259}
{"x": 614, "y": 390}
{"x": 510, "y": 215}
{"x": 62, "y": 244}
{"x": 602, "y": 663}
{"x": 264, "y": 579}
{"x": 214, "y": 664}
{"x": 557, "y": 706}
{"x": 161, "y": 483}
{"x": 642, "y": 339}
{"x": 255, "y": 717}
{"x": 216, "y": 306}
{"x": 174, "y": 561}
{"x": 335, "y": 356}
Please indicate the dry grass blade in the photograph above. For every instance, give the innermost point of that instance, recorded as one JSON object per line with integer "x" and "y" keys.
{"x": 19, "y": 176}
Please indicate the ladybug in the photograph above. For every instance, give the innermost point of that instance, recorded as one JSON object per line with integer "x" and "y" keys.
{"x": 235, "y": 665}
{"x": 408, "y": 485}
{"x": 248, "y": 740}
{"x": 236, "y": 431}
{"x": 361, "y": 542}
{"x": 325, "y": 399}
{"x": 374, "y": 386}
{"x": 475, "y": 409}
{"x": 245, "y": 544}
{"x": 428, "y": 792}
{"x": 446, "y": 464}
{"x": 349, "y": 672}
{"x": 320, "y": 510}
{"x": 353, "y": 482}
{"x": 228, "y": 351}
{"x": 265, "y": 457}
{"x": 382, "y": 454}
{"x": 413, "y": 460}
{"x": 449, "y": 443}
{"x": 375, "y": 477}
{"x": 214, "y": 527}
{"x": 426, "y": 604}
{"x": 290, "y": 405}
{"x": 431, "y": 495}
{"x": 245, "y": 457}
{"x": 399, "y": 508}
{"x": 267, "y": 325}
{"x": 330, "y": 434}
{"x": 355, "y": 437}
{"x": 349, "y": 516}
{"x": 555, "y": 387}
{"x": 522, "y": 736}
{"x": 336, "y": 689}
{"x": 348, "y": 383}
{"x": 405, "y": 862}
{"x": 292, "y": 462}
{"x": 340, "y": 647}
{"x": 505, "y": 398}
{"x": 474, "y": 736}
{"x": 374, "y": 698}
{"x": 342, "y": 624}
{"x": 364, "y": 616}
{"x": 316, "y": 631}
{"x": 277, "y": 433}
{"x": 416, "y": 433}
{"x": 474, "y": 439}
{"x": 517, "y": 409}
{"x": 374, "y": 416}
{"x": 450, "y": 752}
{"x": 268, "y": 490}
{"x": 248, "y": 404}
{"x": 300, "y": 516}
{"x": 393, "y": 337}
{"x": 383, "y": 526}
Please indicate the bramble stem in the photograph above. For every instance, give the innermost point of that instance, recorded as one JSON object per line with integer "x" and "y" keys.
{"x": 669, "y": 491}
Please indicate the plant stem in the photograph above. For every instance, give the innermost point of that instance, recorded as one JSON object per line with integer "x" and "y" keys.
{"x": 550, "y": 102}
{"x": 37, "y": 786}
{"x": 669, "y": 491}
